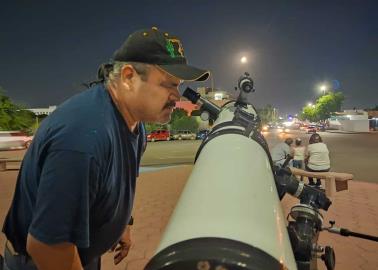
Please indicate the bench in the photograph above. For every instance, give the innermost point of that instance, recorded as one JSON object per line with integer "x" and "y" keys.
{"x": 334, "y": 181}
{"x": 4, "y": 161}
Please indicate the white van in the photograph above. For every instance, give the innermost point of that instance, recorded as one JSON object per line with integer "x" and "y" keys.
{"x": 12, "y": 140}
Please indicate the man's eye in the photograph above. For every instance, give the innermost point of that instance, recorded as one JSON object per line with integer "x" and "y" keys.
{"x": 171, "y": 86}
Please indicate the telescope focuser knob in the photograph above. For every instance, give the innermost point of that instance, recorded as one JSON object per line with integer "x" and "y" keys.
{"x": 329, "y": 258}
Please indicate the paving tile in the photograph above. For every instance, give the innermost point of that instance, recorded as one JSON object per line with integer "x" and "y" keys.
{"x": 158, "y": 192}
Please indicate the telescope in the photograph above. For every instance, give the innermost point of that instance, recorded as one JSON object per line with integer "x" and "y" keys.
{"x": 229, "y": 215}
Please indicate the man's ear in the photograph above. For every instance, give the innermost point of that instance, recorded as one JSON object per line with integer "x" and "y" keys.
{"x": 127, "y": 74}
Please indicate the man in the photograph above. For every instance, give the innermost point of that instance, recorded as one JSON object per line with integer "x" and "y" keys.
{"x": 75, "y": 189}
{"x": 281, "y": 151}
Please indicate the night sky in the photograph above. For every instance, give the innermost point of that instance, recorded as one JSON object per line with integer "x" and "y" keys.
{"x": 47, "y": 50}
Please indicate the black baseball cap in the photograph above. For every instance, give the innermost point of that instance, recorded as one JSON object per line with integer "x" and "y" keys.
{"x": 152, "y": 46}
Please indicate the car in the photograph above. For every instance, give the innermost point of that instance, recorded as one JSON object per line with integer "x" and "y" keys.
{"x": 159, "y": 135}
{"x": 311, "y": 129}
{"x": 276, "y": 128}
{"x": 272, "y": 127}
{"x": 13, "y": 140}
{"x": 184, "y": 135}
{"x": 202, "y": 134}
{"x": 321, "y": 127}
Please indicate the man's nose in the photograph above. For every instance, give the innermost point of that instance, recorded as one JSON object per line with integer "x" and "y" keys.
{"x": 175, "y": 95}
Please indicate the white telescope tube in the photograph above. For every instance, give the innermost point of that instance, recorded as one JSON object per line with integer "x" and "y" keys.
{"x": 231, "y": 194}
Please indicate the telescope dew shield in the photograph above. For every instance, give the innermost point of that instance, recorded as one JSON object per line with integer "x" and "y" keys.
{"x": 213, "y": 253}
{"x": 229, "y": 214}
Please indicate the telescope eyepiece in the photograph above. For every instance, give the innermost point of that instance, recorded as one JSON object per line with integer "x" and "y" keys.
{"x": 191, "y": 95}
{"x": 245, "y": 83}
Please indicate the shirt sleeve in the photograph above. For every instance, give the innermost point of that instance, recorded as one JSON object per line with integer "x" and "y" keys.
{"x": 142, "y": 145}
{"x": 65, "y": 194}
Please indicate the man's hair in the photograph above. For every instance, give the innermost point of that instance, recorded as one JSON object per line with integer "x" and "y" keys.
{"x": 108, "y": 72}
{"x": 315, "y": 138}
{"x": 298, "y": 142}
{"x": 289, "y": 141}
{"x": 114, "y": 72}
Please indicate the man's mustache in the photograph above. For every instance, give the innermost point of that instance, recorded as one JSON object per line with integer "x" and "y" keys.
{"x": 170, "y": 104}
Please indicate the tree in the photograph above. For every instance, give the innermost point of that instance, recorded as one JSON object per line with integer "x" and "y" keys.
{"x": 181, "y": 120}
{"x": 13, "y": 116}
{"x": 327, "y": 104}
{"x": 372, "y": 108}
{"x": 188, "y": 123}
{"x": 178, "y": 113}
{"x": 324, "y": 107}
{"x": 267, "y": 114}
{"x": 309, "y": 114}
{"x": 154, "y": 126}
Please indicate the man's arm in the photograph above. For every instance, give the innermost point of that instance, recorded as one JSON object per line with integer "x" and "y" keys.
{"x": 63, "y": 256}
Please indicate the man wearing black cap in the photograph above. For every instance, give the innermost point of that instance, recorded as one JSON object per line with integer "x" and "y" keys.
{"x": 76, "y": 186}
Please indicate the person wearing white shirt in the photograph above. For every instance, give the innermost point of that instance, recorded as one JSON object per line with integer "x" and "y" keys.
{"x": 299, "y": 155}
{"x": 317, "y": 157}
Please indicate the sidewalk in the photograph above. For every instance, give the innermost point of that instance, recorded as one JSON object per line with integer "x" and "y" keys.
{"x": 158, "y": 191}
{"x": 349, "y": 132}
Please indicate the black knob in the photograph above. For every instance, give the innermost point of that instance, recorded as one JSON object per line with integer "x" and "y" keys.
{"x": 329, "y": 258}
{"x": 332, "y": 222}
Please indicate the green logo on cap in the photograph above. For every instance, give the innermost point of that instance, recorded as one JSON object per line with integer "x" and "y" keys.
{"x": 170, "y": 49}
{"x": 174, "y": 48}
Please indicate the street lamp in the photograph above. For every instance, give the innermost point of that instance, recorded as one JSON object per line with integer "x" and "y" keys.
{"x": 323, "y": 88}
{"x": 309, "y": 104}
{"x": 243, "y": 60}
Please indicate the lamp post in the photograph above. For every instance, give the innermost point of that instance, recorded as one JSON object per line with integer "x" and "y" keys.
{"x": 323, "y": 88}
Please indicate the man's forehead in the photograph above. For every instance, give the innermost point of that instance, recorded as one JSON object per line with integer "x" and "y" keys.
{"x": 166, "y": 76}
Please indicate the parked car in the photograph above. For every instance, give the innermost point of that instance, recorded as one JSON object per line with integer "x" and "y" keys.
{"x": 321, "y": 127}
{"x": 159, "y": 135}
{"x": 12, "y": 140}
{"x": 311, "y": 129}
{"x": 202, "y": 134}
{"x": 184, "y": 135}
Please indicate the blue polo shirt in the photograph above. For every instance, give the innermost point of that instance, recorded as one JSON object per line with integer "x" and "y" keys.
{"x": 77, "y": 180}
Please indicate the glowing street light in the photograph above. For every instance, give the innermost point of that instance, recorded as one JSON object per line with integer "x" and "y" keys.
{"x": 309, "y": 104}
{"x": 323, "y": 88}
{"x": 243, "y": 60}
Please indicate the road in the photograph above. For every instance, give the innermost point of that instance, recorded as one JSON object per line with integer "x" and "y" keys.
{"x": 352, "y": 153}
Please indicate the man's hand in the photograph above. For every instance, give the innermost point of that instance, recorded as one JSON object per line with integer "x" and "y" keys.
{"x": 123, "y": 246}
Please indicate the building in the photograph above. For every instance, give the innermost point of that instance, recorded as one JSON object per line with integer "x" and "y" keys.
{"x": 187, "y": 106}
{"x": 43, "y": 111}
{"x": 216, "y": 96}
{"x": 373, "y": 119}
{"x": 350, "y": 120}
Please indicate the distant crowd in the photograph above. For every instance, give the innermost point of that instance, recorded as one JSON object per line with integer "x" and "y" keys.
{"x": 313, "y": 158}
